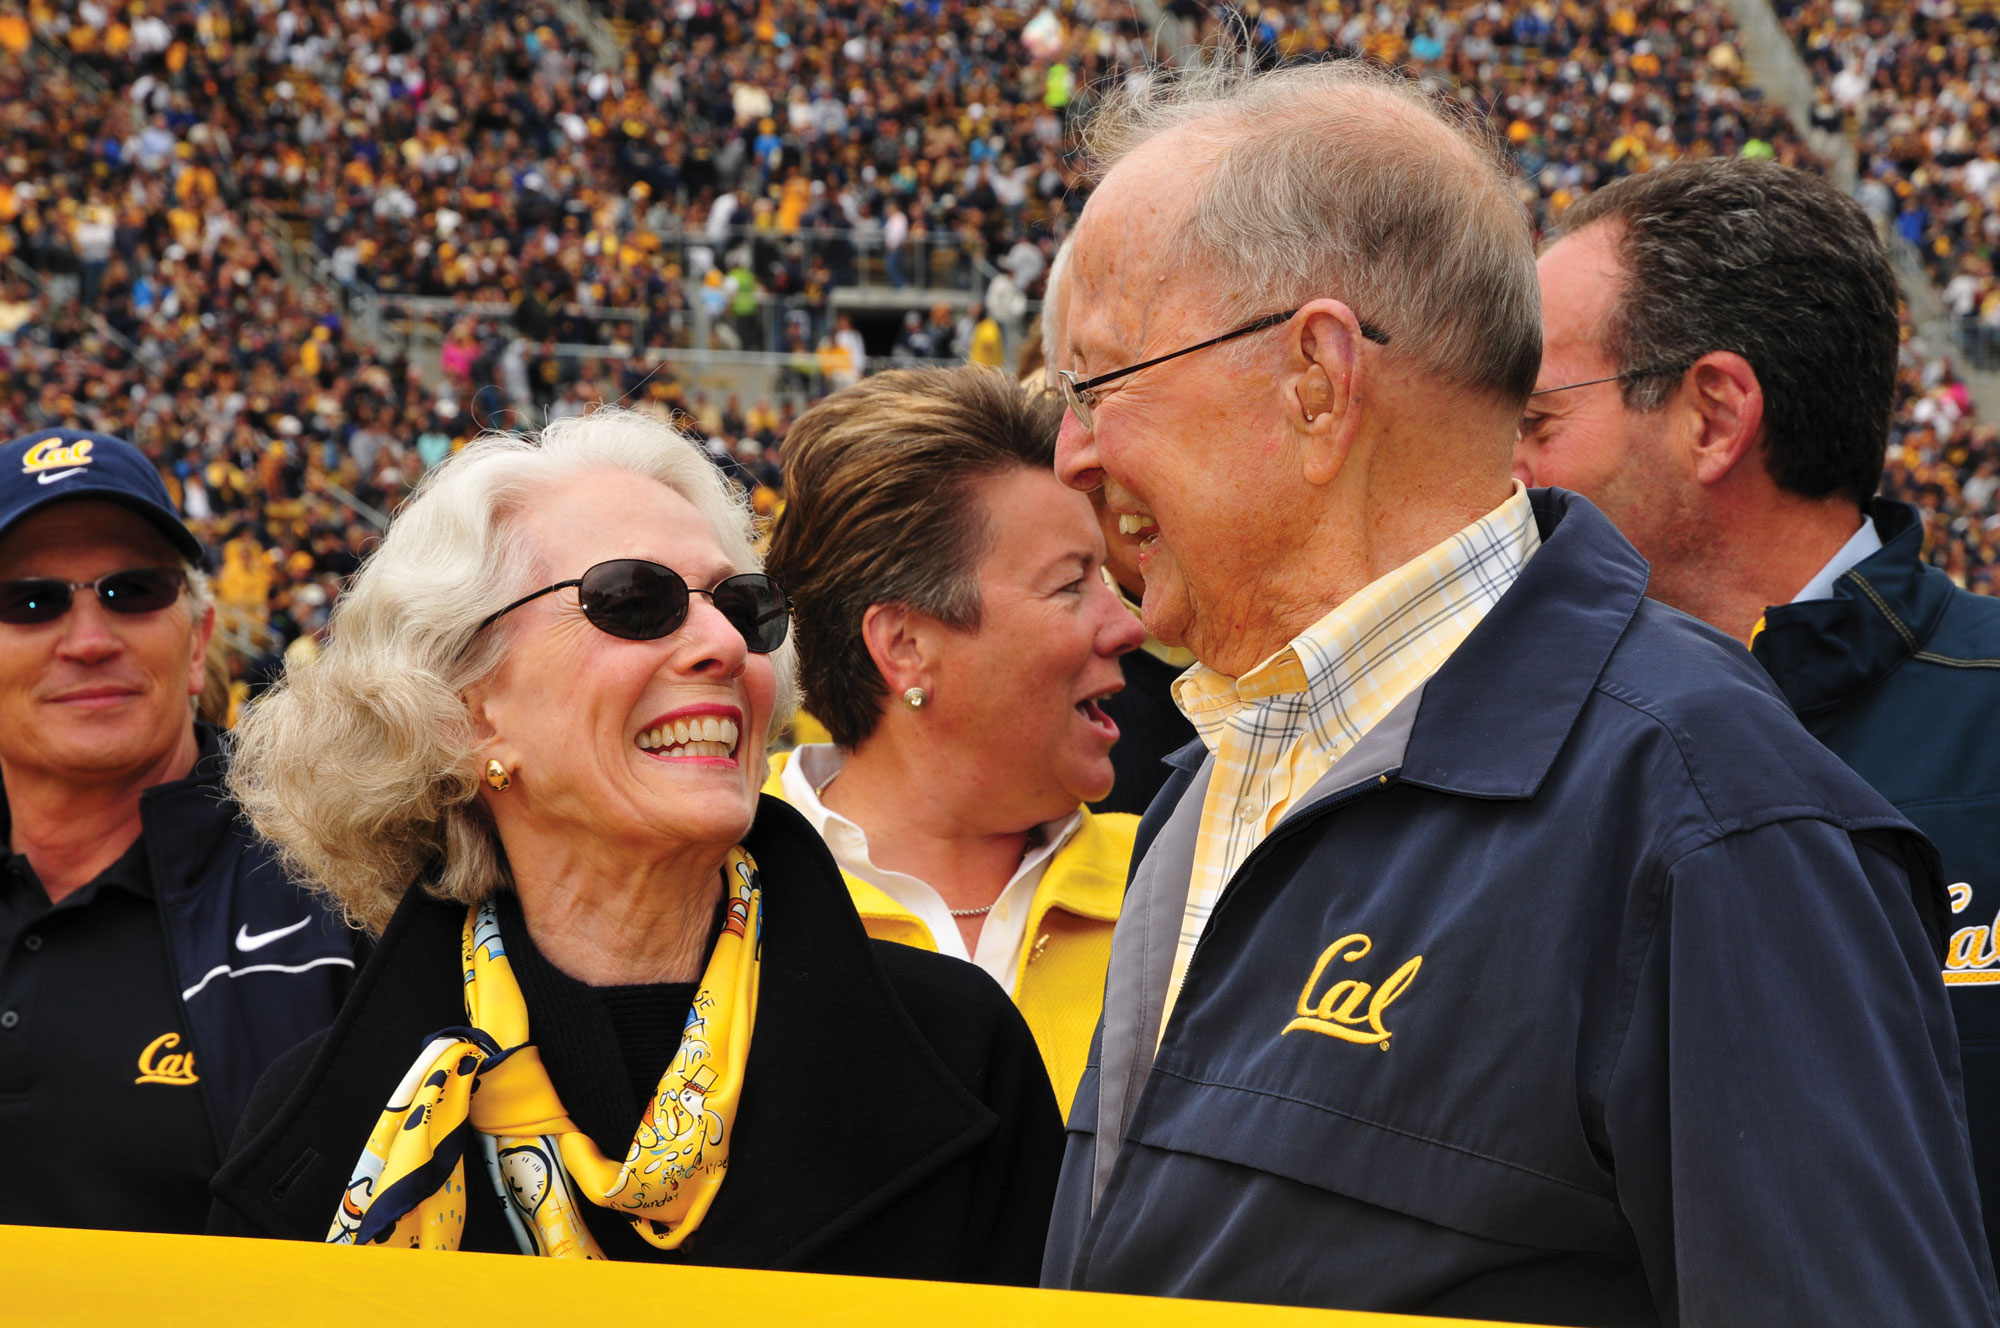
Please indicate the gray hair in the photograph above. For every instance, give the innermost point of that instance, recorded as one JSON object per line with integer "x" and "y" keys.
{"x": 359, "y": 767}
{"x": 200, "y": 595}
{"x": 1343, "y": 179}
{"x": 1054, "y": 297}
{"x": 199, "y": 590}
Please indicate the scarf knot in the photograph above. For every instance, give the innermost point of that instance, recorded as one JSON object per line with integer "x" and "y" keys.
{"x": 484, "y": 1082}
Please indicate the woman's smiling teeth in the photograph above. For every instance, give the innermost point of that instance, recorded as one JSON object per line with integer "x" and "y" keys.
{"x": 1132, "y": 523}
{"x": 704, "y": 735}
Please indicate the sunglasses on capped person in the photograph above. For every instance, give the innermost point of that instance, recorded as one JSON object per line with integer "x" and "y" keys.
{"x": 136, "y": 590}
{"x": 638, "y": 600}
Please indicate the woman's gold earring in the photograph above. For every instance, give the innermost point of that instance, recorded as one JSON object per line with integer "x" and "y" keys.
{"x": 915, "y": 698}
{"x": 497, "y": 777}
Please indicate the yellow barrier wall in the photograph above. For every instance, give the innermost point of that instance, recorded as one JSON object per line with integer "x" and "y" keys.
{"x": 50, "y": 1276}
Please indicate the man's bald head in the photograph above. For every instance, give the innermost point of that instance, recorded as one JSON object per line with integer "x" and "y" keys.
{"x": 1268, "y": 190}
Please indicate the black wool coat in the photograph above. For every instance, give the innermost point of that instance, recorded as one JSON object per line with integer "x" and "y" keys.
{"x": 895, "y": 1121}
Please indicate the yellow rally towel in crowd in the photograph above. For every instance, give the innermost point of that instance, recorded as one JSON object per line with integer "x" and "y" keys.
{"x": 408, "y": 1189}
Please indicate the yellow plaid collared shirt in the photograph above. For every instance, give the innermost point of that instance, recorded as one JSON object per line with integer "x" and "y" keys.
{"x": 1282, "y": 725}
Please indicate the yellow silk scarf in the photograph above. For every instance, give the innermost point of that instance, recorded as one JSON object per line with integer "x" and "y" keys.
{"x": 486, "y": 1082}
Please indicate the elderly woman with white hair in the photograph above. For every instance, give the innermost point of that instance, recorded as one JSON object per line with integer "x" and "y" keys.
{"x": 619, "y": 1007}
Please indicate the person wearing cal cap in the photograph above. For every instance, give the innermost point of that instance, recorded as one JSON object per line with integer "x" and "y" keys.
{"x": 153, "y": 958}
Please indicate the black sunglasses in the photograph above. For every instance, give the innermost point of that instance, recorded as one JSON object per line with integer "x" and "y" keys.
{"x": 43, "y": 599}
{"x": 638, "y": 600}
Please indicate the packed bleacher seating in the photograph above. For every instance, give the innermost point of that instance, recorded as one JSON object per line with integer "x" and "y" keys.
{"x": 718, "y": 181}
{"x": 1914, "y": 84}
{"x": 1946, "y": 461}
{"x": 1582, "y": 93}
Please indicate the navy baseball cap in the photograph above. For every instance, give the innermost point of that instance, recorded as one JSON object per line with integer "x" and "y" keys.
{"x": 63, "y": 465}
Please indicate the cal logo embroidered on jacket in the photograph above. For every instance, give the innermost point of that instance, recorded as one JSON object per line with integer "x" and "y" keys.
{"x": 1350, "y": 1010}
{"x": 1973, "y": 958}
{"x": 55, "y": 454}
{"x": 159, "y": 1063}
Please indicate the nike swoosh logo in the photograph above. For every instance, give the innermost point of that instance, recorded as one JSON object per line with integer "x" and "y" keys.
{"x": 55, "y": 475}
{"x": 246, "y": 942}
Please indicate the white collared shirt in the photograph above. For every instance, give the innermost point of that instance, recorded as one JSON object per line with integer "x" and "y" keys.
{"x": 1000, "y": 938}
{"x": 1861, "y": 544}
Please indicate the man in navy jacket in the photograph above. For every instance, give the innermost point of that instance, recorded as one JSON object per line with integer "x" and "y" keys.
{"x": 1505, "y": 948}
{"x": 1747, "y": 479}
{"x": 153, "y": 957}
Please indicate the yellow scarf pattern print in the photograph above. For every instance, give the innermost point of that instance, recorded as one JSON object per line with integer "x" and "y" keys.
{"x": 484, "y": 1085}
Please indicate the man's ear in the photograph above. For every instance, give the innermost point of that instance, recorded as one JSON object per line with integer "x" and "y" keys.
{"x": 903, "y": 643}
{"x": 1722, "y": 391}
{"x": 204, "y": 632}
{"x": 1325, "y": 387}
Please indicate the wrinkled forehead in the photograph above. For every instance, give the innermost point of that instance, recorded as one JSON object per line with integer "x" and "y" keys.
{"x": 1127, "y": 280}
{"x": 603, "y": 515}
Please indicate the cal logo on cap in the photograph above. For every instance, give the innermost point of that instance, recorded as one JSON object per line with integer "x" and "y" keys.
{"x": 53, "y": 454}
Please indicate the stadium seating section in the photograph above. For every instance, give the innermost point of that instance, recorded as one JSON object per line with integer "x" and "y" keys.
{"x": 225, "y": 225}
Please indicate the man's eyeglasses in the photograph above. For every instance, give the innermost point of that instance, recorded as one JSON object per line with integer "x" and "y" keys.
{"x": 1080, "y": 397}
{"x": 1629, "y": 376}
{"x": 137, "y": 590}
{"x": 637, "y": 600}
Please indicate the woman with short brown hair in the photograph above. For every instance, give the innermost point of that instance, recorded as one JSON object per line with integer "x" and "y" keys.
{"x": 956, "y": 637}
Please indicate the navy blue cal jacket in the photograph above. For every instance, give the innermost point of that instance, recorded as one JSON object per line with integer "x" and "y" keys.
{"x": 261, "y": 962}
{"x": 1899, "y": 674}
{"x": 1586, "y": 989}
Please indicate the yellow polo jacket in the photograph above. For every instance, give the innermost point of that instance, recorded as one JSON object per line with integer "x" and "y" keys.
{"x": 1059, "y": 986}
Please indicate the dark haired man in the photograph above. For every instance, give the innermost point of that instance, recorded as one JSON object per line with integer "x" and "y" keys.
{"x": 1718, "y": 372}
{"x": 153, "y": 958}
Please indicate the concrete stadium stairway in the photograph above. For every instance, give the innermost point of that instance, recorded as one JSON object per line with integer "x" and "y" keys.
{"x": 1775, "y": 67}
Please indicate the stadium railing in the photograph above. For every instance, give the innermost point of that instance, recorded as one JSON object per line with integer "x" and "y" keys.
{"x": 305, "y": 265}
{"x": 60, "y": 290}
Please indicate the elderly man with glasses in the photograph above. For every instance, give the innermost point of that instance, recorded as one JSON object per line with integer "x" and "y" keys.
{"x": 153, "y": 958}
{"x": 1504, "y": 948}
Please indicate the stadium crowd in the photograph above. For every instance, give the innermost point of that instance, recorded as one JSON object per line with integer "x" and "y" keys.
{"x": 1917, "y": 85}
{"x": 751, "y": 162}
